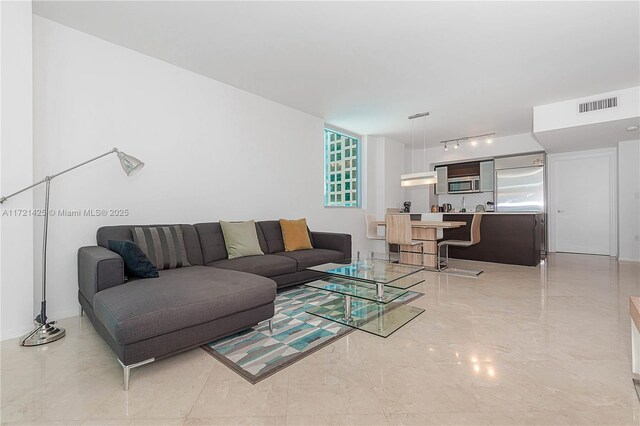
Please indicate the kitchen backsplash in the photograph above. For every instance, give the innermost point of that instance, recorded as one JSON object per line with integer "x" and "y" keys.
{"x": 470, "y": 200}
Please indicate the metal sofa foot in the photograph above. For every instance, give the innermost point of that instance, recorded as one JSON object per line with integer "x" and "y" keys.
{"x": 271, "y": 325}
{"x": 127, "y": 370}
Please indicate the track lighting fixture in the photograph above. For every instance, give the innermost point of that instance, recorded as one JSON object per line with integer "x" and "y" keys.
{"x": 473, "y": 139}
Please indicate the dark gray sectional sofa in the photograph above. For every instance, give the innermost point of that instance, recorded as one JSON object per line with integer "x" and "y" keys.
{"x": 146, "y": 319}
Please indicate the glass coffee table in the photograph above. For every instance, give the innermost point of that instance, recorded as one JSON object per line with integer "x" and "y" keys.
{"x": 374, "y": 295}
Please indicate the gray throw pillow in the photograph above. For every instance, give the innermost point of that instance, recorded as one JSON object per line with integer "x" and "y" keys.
{"x": 163, "y": 245}
{"x": 241, "y": 239}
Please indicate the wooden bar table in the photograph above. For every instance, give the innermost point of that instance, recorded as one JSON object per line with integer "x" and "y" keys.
{"x": 426, "y": 231}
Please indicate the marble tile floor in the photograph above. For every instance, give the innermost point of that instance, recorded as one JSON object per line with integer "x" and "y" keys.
{"x": 518, "y": 345}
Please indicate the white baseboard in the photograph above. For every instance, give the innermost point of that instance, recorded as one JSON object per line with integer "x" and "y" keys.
{"x": 12, "y": 334}
{"x": 67, "y": 314}
{"x": 624, "y": 259}
{"x": 19, "y": 332}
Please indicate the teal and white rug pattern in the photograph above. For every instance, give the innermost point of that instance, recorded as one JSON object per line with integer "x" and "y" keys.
{"x": 256, "y": 354}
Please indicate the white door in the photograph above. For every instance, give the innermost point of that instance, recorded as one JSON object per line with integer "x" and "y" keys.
{"x": 582, "y": 188}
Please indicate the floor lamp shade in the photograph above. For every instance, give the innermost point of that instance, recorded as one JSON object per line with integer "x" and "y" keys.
{"x": 131, "y": 165}
{"x": 46, "y": 331}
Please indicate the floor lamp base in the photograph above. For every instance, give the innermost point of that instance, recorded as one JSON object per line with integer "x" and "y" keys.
{"x": 43, "y": 334}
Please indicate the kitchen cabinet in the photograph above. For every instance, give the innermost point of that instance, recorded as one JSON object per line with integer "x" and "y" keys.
{"x": 443, "y": 175}
{"x": 515, "y": 239}
{"x": 486, "y": 176}
{"x": 463, "y": 169}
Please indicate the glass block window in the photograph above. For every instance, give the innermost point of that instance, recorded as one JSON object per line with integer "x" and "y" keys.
{"x": 341, "y": 157}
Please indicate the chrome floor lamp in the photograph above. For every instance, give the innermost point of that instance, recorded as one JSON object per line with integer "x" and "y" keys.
{"x": 47, "y": 332}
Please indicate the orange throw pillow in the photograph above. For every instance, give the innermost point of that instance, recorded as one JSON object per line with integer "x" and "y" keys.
{"x": 295, "y": 235}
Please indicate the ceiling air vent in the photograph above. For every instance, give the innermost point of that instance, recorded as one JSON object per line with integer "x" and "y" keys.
{"x": 599, "y": 104}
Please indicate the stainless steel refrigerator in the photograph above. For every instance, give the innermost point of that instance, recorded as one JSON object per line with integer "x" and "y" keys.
{"x": 520, "y": 184}
{"x": 520, "y": 187}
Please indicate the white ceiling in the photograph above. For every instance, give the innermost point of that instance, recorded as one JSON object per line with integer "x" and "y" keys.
{"x": 365, "y": 66}
{"x": 606, "y": 134}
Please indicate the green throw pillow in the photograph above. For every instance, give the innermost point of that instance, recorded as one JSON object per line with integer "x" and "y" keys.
{"x": 241, "y": 239}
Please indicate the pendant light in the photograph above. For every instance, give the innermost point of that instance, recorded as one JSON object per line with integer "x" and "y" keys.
{"x": 420, "y": 178}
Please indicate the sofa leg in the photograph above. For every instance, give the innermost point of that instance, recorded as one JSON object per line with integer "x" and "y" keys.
{"x": 127, "y": 370}
{"x": 81, "y": 311}
{"x": 270, "y": 325}
{"x": 127, "y": 373}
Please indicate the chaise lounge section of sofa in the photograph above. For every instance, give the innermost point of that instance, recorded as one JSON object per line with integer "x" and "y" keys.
{"x": 143, "y": 320}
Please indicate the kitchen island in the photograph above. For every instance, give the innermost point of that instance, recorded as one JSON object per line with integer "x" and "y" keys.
{"x": 512, "y": 238}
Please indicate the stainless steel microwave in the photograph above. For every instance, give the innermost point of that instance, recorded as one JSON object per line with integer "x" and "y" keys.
{"x": 463, "y": 185}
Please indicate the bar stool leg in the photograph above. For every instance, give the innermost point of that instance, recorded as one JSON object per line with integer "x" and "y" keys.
{"x": 447, "y": 256}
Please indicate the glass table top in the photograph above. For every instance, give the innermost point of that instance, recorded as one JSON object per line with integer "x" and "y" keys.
{"x": 359, "y": 289}
{"x": 377, "y": 272}
{"x": 375, "y": 318}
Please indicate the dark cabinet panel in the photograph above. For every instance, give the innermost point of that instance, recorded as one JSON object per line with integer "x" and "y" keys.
{"x": 463, "y": 169}
{"x": 504, "y": 238}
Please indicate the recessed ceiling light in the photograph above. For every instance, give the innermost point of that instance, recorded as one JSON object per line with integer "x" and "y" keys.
{"x": 474, "y": 143}
{"x": 632, "y": 128}
{"x": 457, "y": 145}
{"x": 489, "y": 140}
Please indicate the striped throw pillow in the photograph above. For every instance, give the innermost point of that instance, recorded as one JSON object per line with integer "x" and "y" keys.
{"x": 163, "y": 245}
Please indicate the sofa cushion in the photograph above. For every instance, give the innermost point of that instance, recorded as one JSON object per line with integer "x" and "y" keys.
{"x": 123, "y": 233}
{"x": 212, "y": 241}
{"x": 267, "y": 265}
{"x": 163, "y": 245}
{"x": 178, "y": 299}
{"x": 241, "y": 239}
{"x": 272, "y": 234}
{"x": 136, "y": 263}
{"x": 295, "y": 235}
{"x": 313, "y": 257}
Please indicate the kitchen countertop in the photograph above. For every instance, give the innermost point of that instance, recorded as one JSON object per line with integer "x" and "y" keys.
{"x": 492, "y": 213}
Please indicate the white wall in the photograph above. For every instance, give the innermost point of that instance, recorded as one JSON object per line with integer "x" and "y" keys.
{"x": 211, "y": 151}
{"x": 394, "y": 164}
{"x": 629, "y": 200}
{"x": 499, "y": 146}
{"x": 423, "y": 197}
{"x": 470, "y": 200}
{"x": 386, "y": 164}
{"x": 16, "y": 169}
{"x": 376, "y": 175}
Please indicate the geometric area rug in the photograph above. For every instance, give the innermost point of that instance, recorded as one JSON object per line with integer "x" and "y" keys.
{"x": 255, "y": 354}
